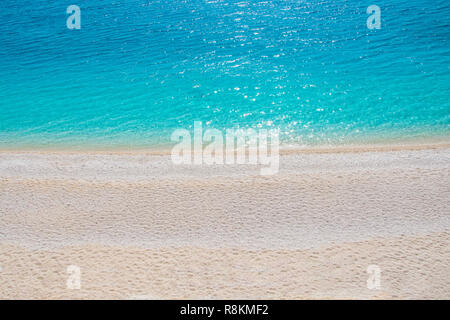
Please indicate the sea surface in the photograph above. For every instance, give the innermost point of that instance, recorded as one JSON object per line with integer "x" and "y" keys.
{"x": 137, "y": 70}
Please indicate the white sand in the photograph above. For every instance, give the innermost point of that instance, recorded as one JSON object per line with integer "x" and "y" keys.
{"x": 138, "y": 225}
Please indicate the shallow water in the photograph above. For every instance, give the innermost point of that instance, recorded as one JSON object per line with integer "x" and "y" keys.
{"x": 137, "y": 70}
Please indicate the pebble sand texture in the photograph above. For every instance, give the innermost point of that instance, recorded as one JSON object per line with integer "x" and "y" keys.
{"x": 204, "y": 230}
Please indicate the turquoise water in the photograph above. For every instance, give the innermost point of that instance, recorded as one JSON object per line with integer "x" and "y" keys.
{"x": 139, "y": 69}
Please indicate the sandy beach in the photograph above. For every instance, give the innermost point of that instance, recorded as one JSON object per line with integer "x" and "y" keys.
{"x": 139, "y": 226}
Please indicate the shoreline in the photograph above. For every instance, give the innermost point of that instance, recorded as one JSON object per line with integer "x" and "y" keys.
{"x": 305, "y": 192}
{"x": 284, "y": 150}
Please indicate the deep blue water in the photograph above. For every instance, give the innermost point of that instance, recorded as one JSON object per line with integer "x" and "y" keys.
{"x": 139, "y": 69}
